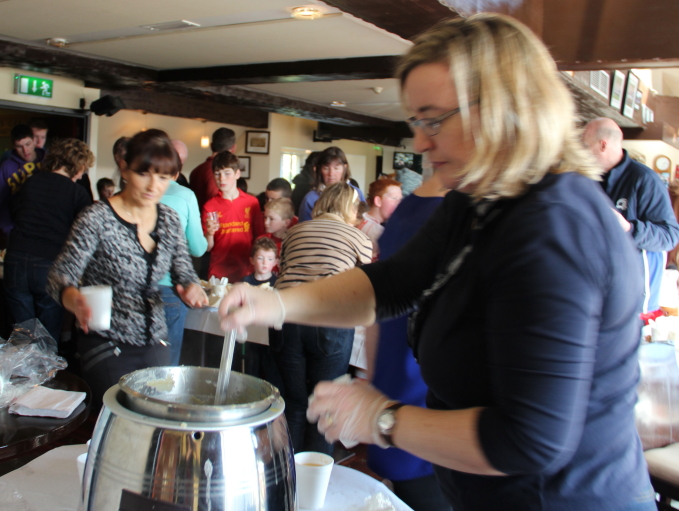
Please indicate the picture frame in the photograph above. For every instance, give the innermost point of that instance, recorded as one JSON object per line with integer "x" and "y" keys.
{"x": 630, "y": 95}
{"x": 257, "y": 142}
{"x": 403, "y": 160}
{"x": 244, "y": 166}
{"x": 617, "y": 89}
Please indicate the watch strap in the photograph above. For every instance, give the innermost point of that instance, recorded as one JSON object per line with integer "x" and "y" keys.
{"x": 387, "y": 435}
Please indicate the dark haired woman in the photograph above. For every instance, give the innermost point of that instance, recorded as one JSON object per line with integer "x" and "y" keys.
{"x": 128, "y": 242}
{"x": 331, "y": 167}
{"x": 43, "y": 212}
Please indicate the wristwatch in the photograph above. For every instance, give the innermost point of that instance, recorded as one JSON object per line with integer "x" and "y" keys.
{"x": 386, "y": 422}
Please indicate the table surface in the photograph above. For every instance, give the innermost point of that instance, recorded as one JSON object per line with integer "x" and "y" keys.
{"x": 50, "y": 483}
{"x": 20, "y": 435}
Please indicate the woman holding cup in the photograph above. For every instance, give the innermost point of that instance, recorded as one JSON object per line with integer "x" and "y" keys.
{"x": 526, "y": 292}
{"x": 128, "y": 243}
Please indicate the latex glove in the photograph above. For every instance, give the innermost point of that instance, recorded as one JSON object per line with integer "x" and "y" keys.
{"x": 247, "y": 305}
{"x": 193, "y": 295}
{"x": 348, "y": 412}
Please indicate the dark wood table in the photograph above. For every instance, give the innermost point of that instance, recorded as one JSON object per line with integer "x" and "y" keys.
{"x": 21, "y": 436}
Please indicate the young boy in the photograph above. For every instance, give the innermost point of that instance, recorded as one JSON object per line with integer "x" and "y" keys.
{"x": 278, "y": 218}
{"x": 264, "y": 258}
{"x": 278, "y": 188}
{"x": 106, "y": 188}
{"x": 383, "y": 197}
{"x": 232, "y": 221}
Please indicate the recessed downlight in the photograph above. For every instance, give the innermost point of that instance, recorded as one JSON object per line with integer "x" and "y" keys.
{"x": 306, "y": 13}
{"x": 338, "y": 104}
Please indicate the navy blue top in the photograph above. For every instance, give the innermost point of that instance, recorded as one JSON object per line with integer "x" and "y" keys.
{"x": 397, "y": 373}
{"x": 539, "y": 325}
{"x": 640, "y": 196}
{"x": 250, "y": 279}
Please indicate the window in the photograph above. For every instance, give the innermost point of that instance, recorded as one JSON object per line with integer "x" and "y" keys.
{"x": 292, "y": 161}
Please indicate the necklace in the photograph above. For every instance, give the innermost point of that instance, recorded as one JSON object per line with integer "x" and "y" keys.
{"x": 122, "y": 202}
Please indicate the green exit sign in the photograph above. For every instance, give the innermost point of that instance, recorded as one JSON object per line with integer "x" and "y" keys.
{"x": 33, "y": 86}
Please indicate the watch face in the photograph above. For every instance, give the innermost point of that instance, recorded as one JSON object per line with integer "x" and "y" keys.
{"x": 386, "y": 421}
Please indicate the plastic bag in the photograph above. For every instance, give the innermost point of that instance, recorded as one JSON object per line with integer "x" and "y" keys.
{"x": 27, "y": 359}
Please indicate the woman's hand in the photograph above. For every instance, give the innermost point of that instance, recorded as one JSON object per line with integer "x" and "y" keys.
{"x": 246, "y": 305}
{"x": 193, "y": 295}
{"x": 348, "y": 412}
{"x": 74, "y": 301}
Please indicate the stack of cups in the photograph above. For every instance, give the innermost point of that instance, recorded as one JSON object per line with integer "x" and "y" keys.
{"x": 313, "y": 471}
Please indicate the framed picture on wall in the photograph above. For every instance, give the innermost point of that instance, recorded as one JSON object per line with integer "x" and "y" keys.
{"x": 244, "y": 166}
{"x": 257, "y": 142}
{"x": 616, "y": 89}
{"x": 404, "y": 160}
{"x": 630, "y": 95}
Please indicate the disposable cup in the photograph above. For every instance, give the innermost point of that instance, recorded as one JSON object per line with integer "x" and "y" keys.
{"x": 99, "y": 299}
{"x": 313, "y": 471}
{"x": 82, "y": 459}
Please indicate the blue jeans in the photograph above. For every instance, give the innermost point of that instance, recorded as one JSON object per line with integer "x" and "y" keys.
{"x": 175, "y": 316}
{"x": 25, "y": 282}
{"x": 306, "y": 355}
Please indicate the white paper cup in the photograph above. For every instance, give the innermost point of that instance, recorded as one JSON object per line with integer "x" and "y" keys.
{"x": 313, "y": 471}
{"x": 99, "y": 299}
{"x": 82, "y": 459}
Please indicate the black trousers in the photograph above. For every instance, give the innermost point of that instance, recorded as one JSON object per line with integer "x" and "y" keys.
{"x": 102, "y": 362}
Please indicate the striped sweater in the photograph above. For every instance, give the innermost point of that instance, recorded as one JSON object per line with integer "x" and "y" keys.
{"x": 319, "y": 248}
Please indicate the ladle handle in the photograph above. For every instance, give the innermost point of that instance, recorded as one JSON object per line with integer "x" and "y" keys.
{"x": 225, "y": 367}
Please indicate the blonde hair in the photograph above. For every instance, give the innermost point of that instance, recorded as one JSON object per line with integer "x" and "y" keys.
{"x": 283, "y": 207}
{"x": 340, "y": 199}
{"x": 527, "y": 119}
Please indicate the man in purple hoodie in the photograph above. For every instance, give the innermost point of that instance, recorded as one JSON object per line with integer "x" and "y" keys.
{"x": 25, "y": 159}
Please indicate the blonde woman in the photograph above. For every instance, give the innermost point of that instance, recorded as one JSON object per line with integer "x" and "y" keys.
{"x": 525, "y": 286}
{"x": 305, "y": 355}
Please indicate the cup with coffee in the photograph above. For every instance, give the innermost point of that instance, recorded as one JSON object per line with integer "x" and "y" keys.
{"x": 313, "y": 471}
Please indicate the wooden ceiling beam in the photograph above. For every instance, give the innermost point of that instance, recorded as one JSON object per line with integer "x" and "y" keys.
{"x": 93, "y": 70}
{"x": 358, "y": 68}
{"x": 405, "y": 18}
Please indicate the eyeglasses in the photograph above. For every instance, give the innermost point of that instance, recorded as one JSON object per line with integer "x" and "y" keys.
{"x": 432, "y": 125}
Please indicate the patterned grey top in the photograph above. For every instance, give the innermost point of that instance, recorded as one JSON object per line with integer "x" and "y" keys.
{"x": 103, "y": 249}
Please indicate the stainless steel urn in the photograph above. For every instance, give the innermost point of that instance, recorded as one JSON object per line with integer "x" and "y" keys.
{"x": 161, "y": 444}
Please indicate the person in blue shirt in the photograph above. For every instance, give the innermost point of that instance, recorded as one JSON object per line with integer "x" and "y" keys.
{"x": 641, "y": 202}
{"x": 523, "y": 288}
{"x": 185, "y": 204}
{"x": 395, "y": 370}
{"x": 331, "y": 167}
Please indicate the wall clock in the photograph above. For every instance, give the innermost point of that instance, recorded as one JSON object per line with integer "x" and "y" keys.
{"x": 662, "y": 163}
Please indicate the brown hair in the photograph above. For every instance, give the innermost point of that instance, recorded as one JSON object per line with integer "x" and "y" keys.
{"x": 152, "y": 150}
{"x": 379, "y": 188}
{"x": 71, "y": 154}
{"x": 340, "y": 199}
{"x": 283, "y": 207}
{"x": 225, "y": 160}
{"x": 328, "y": 156}
{"x": 263, "y": 243}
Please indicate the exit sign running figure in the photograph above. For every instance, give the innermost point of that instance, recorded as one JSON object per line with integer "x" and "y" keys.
{"x": 33, "y": 86}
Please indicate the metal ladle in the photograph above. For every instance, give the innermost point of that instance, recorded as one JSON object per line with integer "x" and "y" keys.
{"x": 225, "y": 367}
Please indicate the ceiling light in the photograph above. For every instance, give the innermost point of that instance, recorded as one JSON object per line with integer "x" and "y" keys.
{"x": 58, "y": 42}
{"x": 306, "y": 13}
{"x": 204, "y": 141}
{"x": 377, "y": 90}
{"x": 338, "y": 103}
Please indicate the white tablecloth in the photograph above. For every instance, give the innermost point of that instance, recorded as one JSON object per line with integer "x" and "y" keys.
{"x": 207, "y": 320}
{"x": 50, "y": 483}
